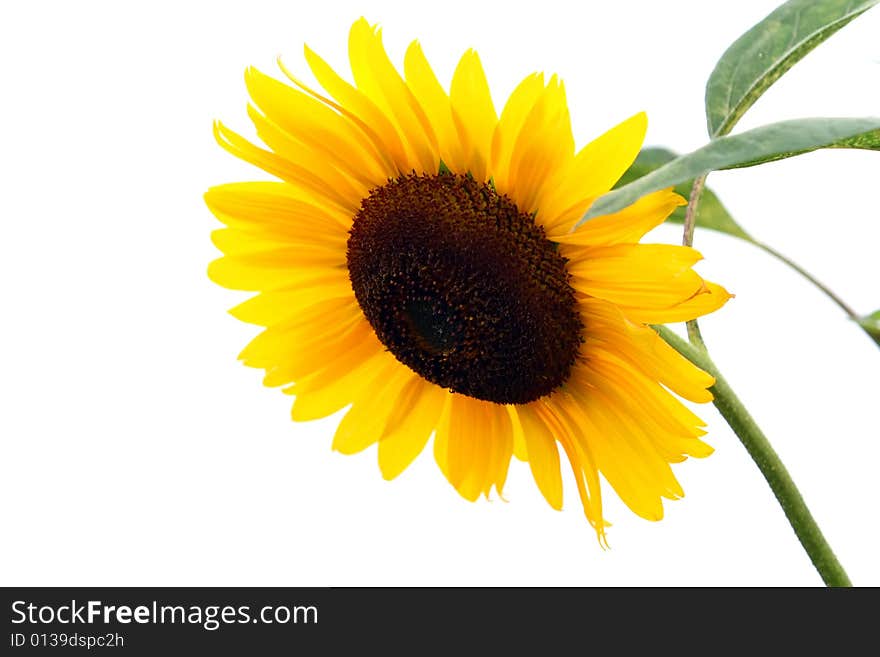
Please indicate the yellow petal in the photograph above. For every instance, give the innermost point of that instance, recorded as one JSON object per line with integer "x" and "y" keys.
{"x": 594, "y": 171}
{"x": 275, "y": 208}
{"x": 462, "y": 445}
{"x": 542, "y": 454}
{"x": 473, "y": 114}
{"x": 346, "y": 191}
{"x": 342, "y": 380}
{"x": 670, "y": 426}
{"x": 557, "y": 413}
{"x": 543, "y": 147}
{"x": 617, "y": 338}
{"x": 317, "y": 352}
{"x": 361, "y": 106}
{"x": 500, "y": 447}
{"x": 318, "y": 128}
{"x": 635, "y": 275}
{"x": 628, "y": 225}
{"x": 625, "y": 454}
{"x": 280, "y": 342}
{"x": 622, "y": 467}
{"x": 294, "y": 173}
{"x": 659, "y": 408}
{"x": 519, "y": 440}
{"x": 268, "y": 270}
{"x": 314, "y": 315}
{"x": 276, "y": 306}
{"x": 233, "y": 241}
{"x": 410, "y": 425}
{"x": 709, "y": 298}
{"x": 435, "y": 102}
{"x": 514, "y": 114}
{"x": 377, "y": 78}
{"x": 377, "y": 139}
{"x": 365, "y": 421}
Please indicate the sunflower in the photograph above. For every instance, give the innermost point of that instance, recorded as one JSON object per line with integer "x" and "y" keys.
{"x": 418, "y": 264}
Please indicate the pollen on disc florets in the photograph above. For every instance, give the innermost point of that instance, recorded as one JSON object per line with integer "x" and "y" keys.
{"x": 464, "y": 288}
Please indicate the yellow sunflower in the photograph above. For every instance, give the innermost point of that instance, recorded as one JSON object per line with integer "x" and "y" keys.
{"x": 417, "y": 264}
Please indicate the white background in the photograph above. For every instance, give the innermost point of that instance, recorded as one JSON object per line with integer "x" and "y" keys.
{"x": 136, "y": 450}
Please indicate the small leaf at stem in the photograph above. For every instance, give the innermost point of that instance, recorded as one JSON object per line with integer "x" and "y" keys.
{"x": 711, "y": 213}
{"x": 763, "y": 54}
{"x": 871, "y": 323}
{"x": 763, "y": 144}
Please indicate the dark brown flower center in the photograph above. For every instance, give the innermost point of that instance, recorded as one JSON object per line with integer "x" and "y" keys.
{"x": 464, "y": 288}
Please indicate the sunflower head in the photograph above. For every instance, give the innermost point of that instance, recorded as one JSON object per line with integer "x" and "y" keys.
{"x": 416, "y": 263}
{"x": 458, "y": 283}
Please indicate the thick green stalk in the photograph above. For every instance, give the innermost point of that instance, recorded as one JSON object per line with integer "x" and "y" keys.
{"x": 750, "y": 434}
{"x": 768, "y": 462}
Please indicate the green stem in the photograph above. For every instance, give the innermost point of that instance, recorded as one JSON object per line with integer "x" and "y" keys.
{"x": 690, "y": 223}
{"x": 852, "y": 314}
{"x": 768, "y": 462}
{"x": 690, "y": 213}
{"x": 748, "y": 431}
{"x": 845, "y": 307}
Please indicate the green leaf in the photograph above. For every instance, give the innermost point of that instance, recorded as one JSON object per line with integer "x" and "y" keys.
{"x": 711, "y": 213}
{"x": 763, "y": 54}
{"x": 764, "y": 144}
{"x": 868, "y": 141}
{"x": 871, "y": 323}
